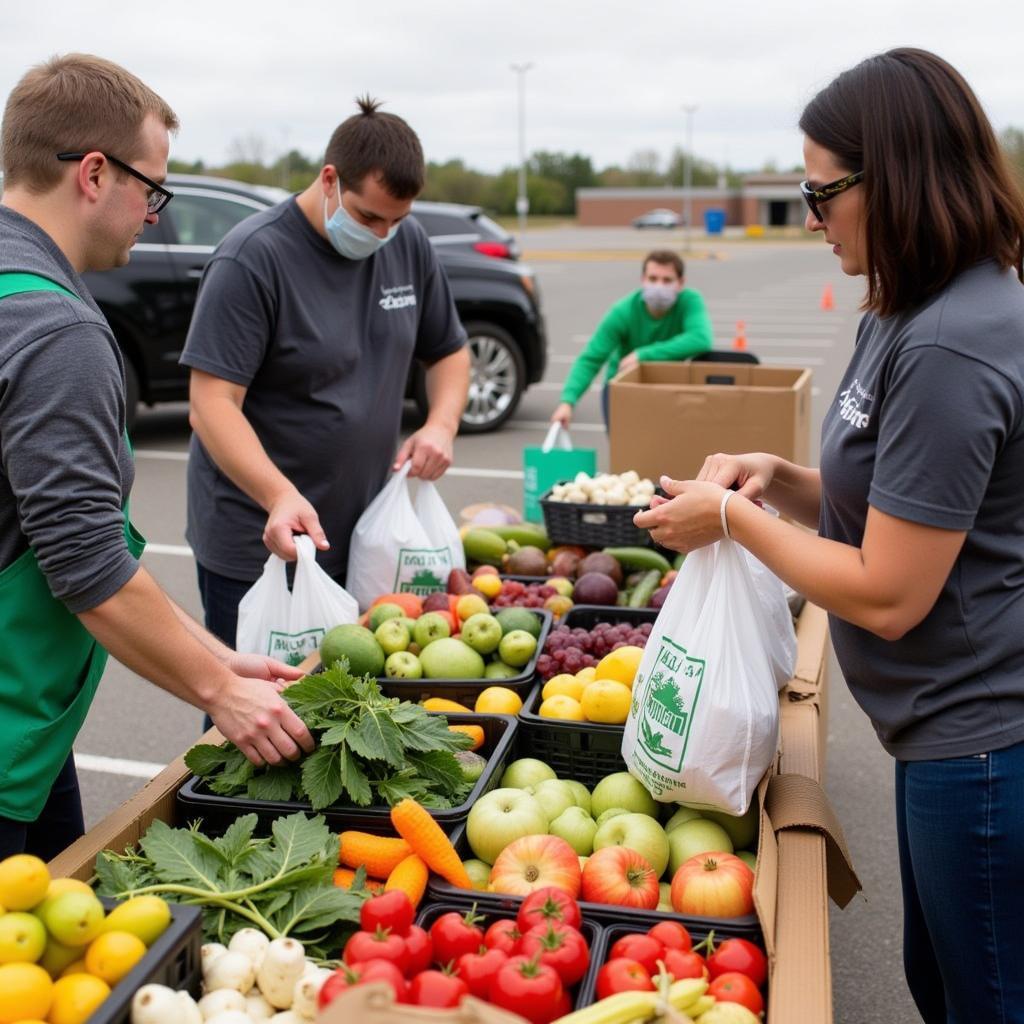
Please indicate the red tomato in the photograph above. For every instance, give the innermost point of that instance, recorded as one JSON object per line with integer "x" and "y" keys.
{"x": 643, "y": 949}
{"x": 346, "y": 977}
{"x": 454, "y": 934}
{"x": 564, "y": 1005}
{"x": 622, "y": 976}
{"x": 420, "y": 950}
{"x": 684, "y": 964}
{"x": 739, "y": 955}
{"x": 437, "y": 989}
{"x": 733, "y": 987}
{"x": 503, "y": 935}
{"x": 392, "y": 910}
{"x": 477, "y": 970}
{"x": 559, "y": 946}
{"x": 378, "y": 945}
{"x": 340, "y": 981}
{"x": 533, "y": 990}
{"x": 672, "y": 935}
{"x": 548, "y": 904}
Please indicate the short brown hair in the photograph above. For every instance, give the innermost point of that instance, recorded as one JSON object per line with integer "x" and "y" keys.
{"x": 372, "y": 142}
{"x": 939, "y": 195}
{"x": 74, "y": 103}
{"x": 667, "y": 258}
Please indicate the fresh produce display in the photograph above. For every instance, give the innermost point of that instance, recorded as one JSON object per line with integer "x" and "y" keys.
{"x": 598, "y": 693}
{"x": 61, "y": 952}
{"x": 371, "y": 749}
{"x": 567, "y": 651}
{"x": 605, "y": 489}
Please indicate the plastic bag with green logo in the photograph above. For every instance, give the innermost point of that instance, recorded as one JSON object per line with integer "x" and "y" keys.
{"x": 703, "y": 726}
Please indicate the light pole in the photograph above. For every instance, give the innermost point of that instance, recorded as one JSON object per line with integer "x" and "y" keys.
{"x": 522, "y": 200}
{"x": 689, "y": 109}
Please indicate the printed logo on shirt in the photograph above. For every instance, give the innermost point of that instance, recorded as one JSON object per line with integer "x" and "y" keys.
{"x": 855, "y": 405}
{"x": 397, "y": 297}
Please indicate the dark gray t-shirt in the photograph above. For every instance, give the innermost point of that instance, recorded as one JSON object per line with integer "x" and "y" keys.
{"x": 323, "y": 345}
{"x": 65, "y": 467}
{"x": 928, "y": 426}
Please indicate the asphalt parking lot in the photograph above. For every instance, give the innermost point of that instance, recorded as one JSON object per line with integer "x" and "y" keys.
{"x": 775, "y": 288}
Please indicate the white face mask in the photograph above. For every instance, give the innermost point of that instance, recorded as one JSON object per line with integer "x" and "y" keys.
{"x": 351, "y": 239}
{"x": 660, "y": 297}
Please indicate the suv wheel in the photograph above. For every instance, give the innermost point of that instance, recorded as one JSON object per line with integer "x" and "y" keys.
{"x": 497, "y": 378}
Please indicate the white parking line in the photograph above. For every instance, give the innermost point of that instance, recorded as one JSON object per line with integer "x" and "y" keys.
{"x": 117, "y": 766}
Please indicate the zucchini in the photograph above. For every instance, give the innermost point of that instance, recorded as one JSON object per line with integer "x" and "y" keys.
{"x": 524, "y": 534}
{"x": 484, "y": 546}
{"x": 644, "y": 590}
{"x": 639, "y": 558}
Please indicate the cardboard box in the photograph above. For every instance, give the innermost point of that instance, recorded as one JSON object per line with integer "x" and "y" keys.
{"x": 667, "y": 417}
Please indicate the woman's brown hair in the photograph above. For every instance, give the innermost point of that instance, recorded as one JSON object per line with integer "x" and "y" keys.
{"x": 939, "y": 194}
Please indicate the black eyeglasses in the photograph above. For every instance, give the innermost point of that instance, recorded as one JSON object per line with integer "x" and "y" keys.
{"x": 157, "y": 197}
{"x": 815, "y": 196}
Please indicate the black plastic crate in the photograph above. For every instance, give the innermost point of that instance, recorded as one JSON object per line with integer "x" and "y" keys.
{"x": 611, "y": 933}
{"x": 582, "y": 993}
{"x": 173, "y": 960}
{"x": 194, "y": 800}
{"x": 600, "y": 526}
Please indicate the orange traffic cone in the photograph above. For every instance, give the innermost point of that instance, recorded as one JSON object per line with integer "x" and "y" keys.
{"x": 739, "y": 343}
{"x": 828, "y": 301}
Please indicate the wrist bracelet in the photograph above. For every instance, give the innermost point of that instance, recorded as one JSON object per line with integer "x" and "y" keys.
{"x": 721, "y": 512}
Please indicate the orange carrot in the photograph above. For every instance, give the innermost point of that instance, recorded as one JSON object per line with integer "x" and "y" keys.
{"x": 411, "y": 877}
{"x": 343, "y": 879}
{"x": 415, "y": 825}
{"x": 474, "y": 732}
{"x": 380, "y": 855}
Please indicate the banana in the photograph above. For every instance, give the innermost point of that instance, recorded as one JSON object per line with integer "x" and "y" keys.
{"x": 639, "y": 558}
{"x": 639, "y": 1006}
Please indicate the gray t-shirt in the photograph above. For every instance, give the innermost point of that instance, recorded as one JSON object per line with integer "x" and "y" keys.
{"x": 928, "y": 426}
{"x": 323, "y": 345}
{"x": 65, "y": 467}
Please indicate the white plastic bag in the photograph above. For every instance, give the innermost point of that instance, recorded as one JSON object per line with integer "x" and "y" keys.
{"x": 704, "y": 722}
{"x": 398, "y": 549}
{"x": 778, "y": 620}
{"x": 290, "y": 625}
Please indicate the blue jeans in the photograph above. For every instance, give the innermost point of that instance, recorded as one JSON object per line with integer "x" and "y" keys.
{"x": 960, "y": 825}
{"x": 56, "y": 828}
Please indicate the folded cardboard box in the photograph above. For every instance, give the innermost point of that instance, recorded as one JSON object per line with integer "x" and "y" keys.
{"x": 667, "y": 417}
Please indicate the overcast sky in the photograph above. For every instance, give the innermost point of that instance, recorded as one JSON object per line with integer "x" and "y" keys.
{"x": 609, "y": 79}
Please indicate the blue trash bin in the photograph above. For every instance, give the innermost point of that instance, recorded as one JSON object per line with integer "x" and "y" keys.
{"x": 714, "y": 221}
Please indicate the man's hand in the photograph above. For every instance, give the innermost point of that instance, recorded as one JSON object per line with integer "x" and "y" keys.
{"x": 253, "y": 716}
{"x": 430, "y": 450}
{"x": 259, "y": 666}
{"x": 628, "y": 362}
{"x": 288, "y": 515}
{"x": 562, "y": 414}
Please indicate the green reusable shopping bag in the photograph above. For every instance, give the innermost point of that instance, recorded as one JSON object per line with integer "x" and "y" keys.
{"x": 547, "y": 464}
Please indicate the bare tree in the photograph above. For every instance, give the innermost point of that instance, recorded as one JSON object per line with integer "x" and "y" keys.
{"x": 248, "y": 149}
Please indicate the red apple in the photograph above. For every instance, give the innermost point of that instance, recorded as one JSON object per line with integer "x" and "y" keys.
{"x": 713, "y": 885}
{"x": 619, "y": 875}
{"x": 533, "y": 862}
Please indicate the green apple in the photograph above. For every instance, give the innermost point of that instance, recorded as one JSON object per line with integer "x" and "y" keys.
{"x": 74, "y": 918}
{"x": 580, "y": 793}
{"x": 431, "y": 626}
{"x": 554, "y": 796}
{"x": 665, "y": 897}
{"x": 392, "y": 635}
{"x": 479, "y": 873}
{"x": 516, "y": 648}
{"x": 638, "y": 832}
{"x": 681, "y": 815}
{"x": 527, "y": 771}
{"x": 22, "y": 938}
{"x": 742, "y": 829}
{"x": 610, "y": 813}
{"x": 500, "y": 817}
{"x": 748, "y": 858}
{"x": 403, "y": 665}
{"x": 499, "y": 670}
{"x": 482, "y": 632}
{"x": 622, "y": 790}
{"x": 383, "y": 613}
{"x": 696, "y": 836}
{"x": 577, "y": 828}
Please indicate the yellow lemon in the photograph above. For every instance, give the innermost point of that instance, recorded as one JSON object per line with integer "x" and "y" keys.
{"x": 75, "y": 997}
{"x": 563, "y": 685}
{"x": 605, "y": 700}
{"x": 112, "y": 955}
{"x": 586, "y": 675}
{"x": 620, "y": 665}
{"x": 24, "y": 880}
{"x": 561, "y": 706}
{"x": 498, "y": 700}
{"x": 25, "y": 991}
{"x": 144, "y": 916}
{"x": 75, "y": 967}
{"x": 488, "y": 584}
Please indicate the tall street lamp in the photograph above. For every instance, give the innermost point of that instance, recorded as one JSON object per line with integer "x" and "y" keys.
{"x": 522, "y": 200}
{"x": 689, "y": 109}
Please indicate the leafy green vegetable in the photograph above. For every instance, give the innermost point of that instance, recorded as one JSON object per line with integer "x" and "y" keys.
{"x": 372, "y": 749}
{"x": 282, "y": 884}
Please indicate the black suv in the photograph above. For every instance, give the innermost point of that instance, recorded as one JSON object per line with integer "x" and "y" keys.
{"x": 149, "y": 302}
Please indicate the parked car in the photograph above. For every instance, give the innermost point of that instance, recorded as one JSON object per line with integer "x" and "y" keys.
{"x": 149, "y": 302}
{"x": 660, "y": 218}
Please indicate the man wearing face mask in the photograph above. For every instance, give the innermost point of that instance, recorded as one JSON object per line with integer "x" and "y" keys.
{"x": 662, "y": 320}
{"x": 307, "y": 320}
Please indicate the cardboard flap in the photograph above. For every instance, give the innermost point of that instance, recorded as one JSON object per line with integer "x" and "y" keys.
{"x": 375, "y": 1004}
{"x": 798, "y": 802}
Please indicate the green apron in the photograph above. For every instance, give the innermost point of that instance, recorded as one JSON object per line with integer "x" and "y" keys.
{"x": 50, "y": 665}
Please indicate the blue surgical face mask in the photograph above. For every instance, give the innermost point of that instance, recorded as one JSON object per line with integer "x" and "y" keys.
{"x": 353, "y": 240}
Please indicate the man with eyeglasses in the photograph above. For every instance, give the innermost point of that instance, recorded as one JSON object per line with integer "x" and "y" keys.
{"x": 84, "y": 150}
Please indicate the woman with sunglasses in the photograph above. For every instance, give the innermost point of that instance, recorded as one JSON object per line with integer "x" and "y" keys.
{"x": 918, "y": 504}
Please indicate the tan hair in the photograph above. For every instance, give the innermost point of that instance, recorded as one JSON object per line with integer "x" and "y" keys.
{"x": 665, "y": 258}
{"x": 74, "y": 103}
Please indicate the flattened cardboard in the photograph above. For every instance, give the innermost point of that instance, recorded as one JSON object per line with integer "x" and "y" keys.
{"x": 667, "y": 417}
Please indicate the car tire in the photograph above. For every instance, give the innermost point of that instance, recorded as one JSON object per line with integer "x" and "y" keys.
{"x": 131, "y": 393}
{"x": 497, "y": 378}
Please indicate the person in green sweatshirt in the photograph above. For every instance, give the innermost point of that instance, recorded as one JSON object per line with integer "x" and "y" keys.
{"x": 661, "y": 321}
